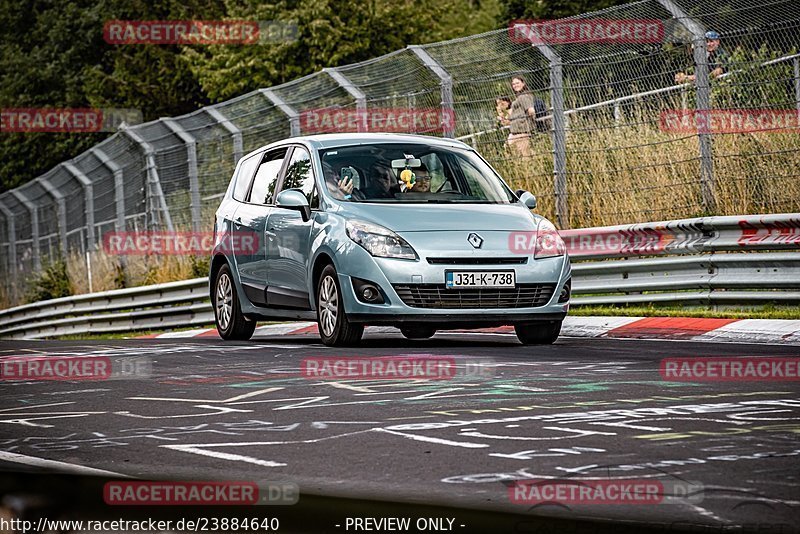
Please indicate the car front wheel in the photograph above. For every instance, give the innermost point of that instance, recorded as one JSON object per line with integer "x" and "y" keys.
{"x": 231, "y": 323}
{"x": 538, "y": 333}
{"x": 334, "y": 327}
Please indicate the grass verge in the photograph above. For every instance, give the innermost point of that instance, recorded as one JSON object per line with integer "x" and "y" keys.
{"x": 705, "y": 312}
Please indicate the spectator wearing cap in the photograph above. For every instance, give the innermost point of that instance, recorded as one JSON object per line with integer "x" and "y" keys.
{"x": 717, "y": 59}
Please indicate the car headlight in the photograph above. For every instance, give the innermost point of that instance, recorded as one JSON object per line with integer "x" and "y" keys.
{"x": 548, "y": 242}
{"x": 379, "y": 241}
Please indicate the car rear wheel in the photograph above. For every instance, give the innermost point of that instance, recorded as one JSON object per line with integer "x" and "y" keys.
{"x": 334, "y": 327}
{"x": 231, "y": 323}
{"x": 538, "y": 333}
{"x": 418, "y": 332}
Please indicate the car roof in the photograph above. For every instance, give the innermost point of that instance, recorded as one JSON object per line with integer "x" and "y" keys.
{"x": 323, "y": 141}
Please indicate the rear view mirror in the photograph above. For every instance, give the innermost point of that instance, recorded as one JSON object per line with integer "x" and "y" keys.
{"x": 526, "y": 198}
{"x": 411, "y": 163}
{"x": 294, "y": 199}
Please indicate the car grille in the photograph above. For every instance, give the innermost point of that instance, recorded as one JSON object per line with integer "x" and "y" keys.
{"x": 437, "y": 296}
{"x": 478, "y": 261}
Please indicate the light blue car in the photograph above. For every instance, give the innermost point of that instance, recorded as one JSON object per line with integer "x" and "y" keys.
{"x": 382, "y": 229}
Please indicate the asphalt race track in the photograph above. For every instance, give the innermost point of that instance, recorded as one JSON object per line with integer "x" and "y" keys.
{"x": 583, "y": 409}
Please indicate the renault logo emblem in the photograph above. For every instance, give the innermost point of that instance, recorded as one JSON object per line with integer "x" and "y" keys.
{"x": 475, "y": 240}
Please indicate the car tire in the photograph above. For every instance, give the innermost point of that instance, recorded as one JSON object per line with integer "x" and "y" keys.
{"x": 231, "y": 322}
{"x": 334, "y": 327}
{"x": 417, "y": 332}
{"x": 538, "y": 333}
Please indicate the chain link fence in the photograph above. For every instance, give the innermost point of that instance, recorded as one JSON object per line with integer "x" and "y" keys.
{"x": 613, "y": 137}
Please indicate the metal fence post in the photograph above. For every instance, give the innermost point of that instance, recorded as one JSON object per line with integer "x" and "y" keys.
{"x": 559, "y": 134}
{"x": 152, "y": 176}
{"x": 446, "y": 83}
{"x": 58, "y": 196}
{"x": 286, "y": 109}
{"x": 119, "y": 189}
{"x": 12, "y": 240}
{"x": 88, "y": 202}
{"x": 355, "y": 92}
{"x": 703, "y": 101}
{"x": 34, "y": 211}
{"x": 796, "y": 64}
{"x": 236, "y": 133}
{"x": 194, "y": 184}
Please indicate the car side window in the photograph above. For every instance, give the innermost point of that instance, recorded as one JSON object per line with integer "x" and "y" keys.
{"x": 245, "y": 176}
{"x": 263, "y": 191}
{"x": 300, "y": 175}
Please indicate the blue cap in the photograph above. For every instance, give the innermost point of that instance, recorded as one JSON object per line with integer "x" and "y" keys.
{"x": 712, "y": 35}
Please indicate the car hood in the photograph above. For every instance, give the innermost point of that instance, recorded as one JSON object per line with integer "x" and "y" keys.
{"x": 436, "y": 217}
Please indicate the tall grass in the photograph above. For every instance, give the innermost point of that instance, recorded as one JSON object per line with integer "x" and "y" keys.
{"x": 635, "y": 172}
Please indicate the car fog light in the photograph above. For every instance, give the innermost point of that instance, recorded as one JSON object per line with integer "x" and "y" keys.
{"x": 367, "y": 291}
{"x": 369, "y": 294}
{"x": 565, "y": 291}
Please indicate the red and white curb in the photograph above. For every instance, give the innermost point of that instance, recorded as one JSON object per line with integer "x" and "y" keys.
{"x": 768, "y": 331}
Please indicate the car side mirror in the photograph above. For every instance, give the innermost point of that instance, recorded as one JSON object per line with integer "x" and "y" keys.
{"x": 293, "y": 199}
{"x": 528, "y": 199}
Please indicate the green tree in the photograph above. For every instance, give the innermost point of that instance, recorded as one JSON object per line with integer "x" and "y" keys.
{"x": 52, "y": 54}
{"x": 550, "y": 9}
{"x": 330, "y": 33}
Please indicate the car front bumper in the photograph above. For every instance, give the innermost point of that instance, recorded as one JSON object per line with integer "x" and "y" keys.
{"x": 388, "y": 273}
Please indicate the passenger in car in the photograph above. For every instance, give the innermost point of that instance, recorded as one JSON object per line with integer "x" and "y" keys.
{"x": 382, "y": 181}
{"x": 340, "y": 189}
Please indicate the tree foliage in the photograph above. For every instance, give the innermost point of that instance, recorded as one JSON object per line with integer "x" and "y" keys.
{"x": 550, "y": 9}
{"x": 52, "y": 55}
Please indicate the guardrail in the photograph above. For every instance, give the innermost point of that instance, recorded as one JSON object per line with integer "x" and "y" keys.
{"x": 750, "y": 259}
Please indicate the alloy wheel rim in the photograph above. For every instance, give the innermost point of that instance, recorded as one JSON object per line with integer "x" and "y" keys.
{"x": 328, "y": 305}
{"x": 224, "y": 301}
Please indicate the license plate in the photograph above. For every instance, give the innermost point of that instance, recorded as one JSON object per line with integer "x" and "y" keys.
{"x": 457, "y": 279}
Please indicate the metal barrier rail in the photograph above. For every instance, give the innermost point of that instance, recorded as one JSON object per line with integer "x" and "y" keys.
{"x": 675, "y": 261}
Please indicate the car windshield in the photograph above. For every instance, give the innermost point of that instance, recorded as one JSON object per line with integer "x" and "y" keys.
{"x": 413, "y": 173}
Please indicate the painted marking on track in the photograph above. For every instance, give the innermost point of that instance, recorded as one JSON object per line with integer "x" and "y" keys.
{"x": 438, "y": 441}
{"x": 216, "y": 410}
{"x": 212, "y": 401}
{"x": 203, "y": 448}
{"x": 54, "y": 464}
{"x": 225, "y": 455}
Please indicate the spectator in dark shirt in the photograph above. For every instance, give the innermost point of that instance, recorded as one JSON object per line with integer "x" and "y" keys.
{"x": 717, "y": 59}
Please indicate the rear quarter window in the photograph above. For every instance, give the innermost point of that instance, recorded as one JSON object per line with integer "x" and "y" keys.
{"x": 244, "y": 176}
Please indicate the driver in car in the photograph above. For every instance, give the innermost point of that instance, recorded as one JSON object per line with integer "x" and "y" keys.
{"x": 422, "y": 183}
